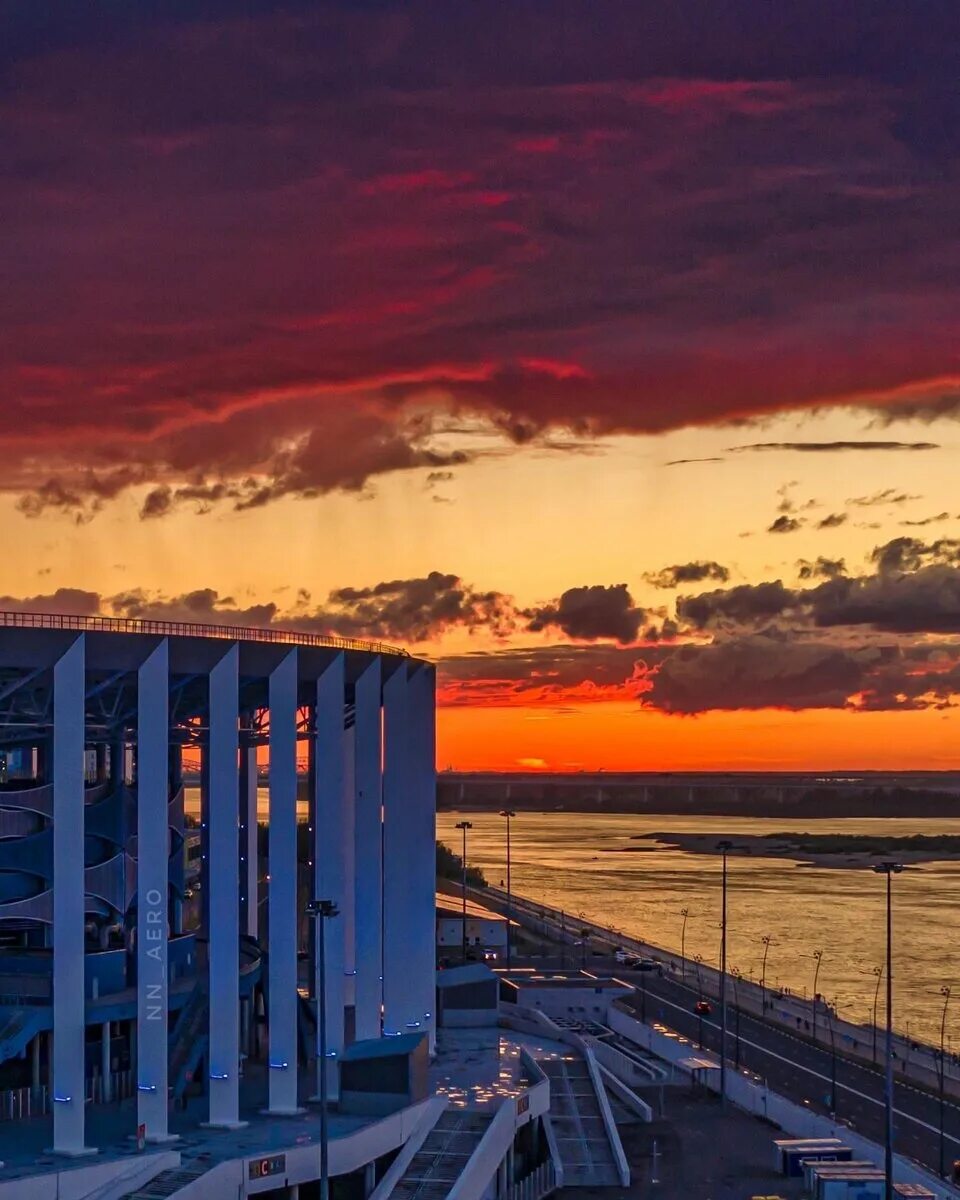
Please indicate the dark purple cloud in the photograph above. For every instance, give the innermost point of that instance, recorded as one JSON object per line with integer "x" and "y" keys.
{"x": 690, "y": 572}
{"x": 247, "y": 246}
{"x": 591, "y": 613}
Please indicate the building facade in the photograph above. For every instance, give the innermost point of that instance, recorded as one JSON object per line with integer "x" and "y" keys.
{"x": 114, "y": 949}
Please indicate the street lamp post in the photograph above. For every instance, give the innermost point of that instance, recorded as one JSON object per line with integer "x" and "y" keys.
{"x": 698, "y": 959}
{"x": 463, "y": 826}
{"x": 878, "y": 971}
{"x": 684, "y": 912}
{"x": 507, "y": 814}
{"x": 889, "y": 868}
{"x": 818, "y": 955}
{"x": 735, "y": 974}
{"x": 320, "y": 911}
{"x": 833, "y": 1064}
{"x": 724, "y": 848}
{"x": 945, "y": 993}
{"x": 763, "y": 975}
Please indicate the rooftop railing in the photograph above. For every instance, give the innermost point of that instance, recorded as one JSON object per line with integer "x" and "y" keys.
{"x": 236, "y": 633}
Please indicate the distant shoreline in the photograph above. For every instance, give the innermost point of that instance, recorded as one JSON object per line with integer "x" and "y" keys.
{"x": 851, "y": 852}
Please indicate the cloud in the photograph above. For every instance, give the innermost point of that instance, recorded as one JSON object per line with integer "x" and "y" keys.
{"x": 910, "y": 553}
{"x": 833, "y": 447}
{"x": 203, "y": 606}
{"x": 411, "y": 610}
{"x": 691, "y": 572}
{"x": 832, "y": 521}
{"x": 756, "y": 671}
{"x": 785, "y": 524}
{"x": 743, "y": 672}
{"x": 261, "y": 292}
{"x": 888, "y": 496}
{"x": 923, "y": 601}
{"x": 678, "y": 462}
{"x": 822, "y": 568}
{"x": 933, "y": 520}
{"x": 591, "y": 613}
{"x": 745, "y": 604}
{"x": 69, "y": 601}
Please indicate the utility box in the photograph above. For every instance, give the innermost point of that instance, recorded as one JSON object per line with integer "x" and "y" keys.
{"x": 383, "y": 1075}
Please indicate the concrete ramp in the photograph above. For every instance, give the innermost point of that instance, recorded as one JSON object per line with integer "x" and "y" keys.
{"x": 583, "y": 1144}
{"x": 437, "y": 1166}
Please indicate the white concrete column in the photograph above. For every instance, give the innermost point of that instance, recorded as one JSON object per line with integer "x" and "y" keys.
{"x": 282, "y": 891}
{"x": 224, "y": 946}
{"x": 249, "y": 882}
{"x": 68, "y": 901}
{"x": 368, "y": 888}
{"x": 401, "y": 1012}
{"x": 422, "y": 807}
{"x": 153, "y": 848}
{"x": 330, "y": 833}
{"x": 349, "y": 871}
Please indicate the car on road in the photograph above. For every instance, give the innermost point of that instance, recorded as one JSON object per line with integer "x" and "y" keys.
{"x": 702, "y": 1008}
{"x": 622, "y": 956}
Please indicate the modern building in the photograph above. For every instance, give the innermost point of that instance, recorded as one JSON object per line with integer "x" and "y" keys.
{"x": 485, "y": 932}
{"x": 115, "y": 975}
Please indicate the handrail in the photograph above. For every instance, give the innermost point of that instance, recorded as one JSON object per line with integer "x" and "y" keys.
{"x": 236, "y": 633}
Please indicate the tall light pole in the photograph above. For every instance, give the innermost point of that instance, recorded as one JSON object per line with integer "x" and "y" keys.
{"x": 698, "y": 959}
{"x": 320, "y": 911}
{"x": 735, "y": 974}
{"x": 833, "y": 1064}
{"x": 878, "y": 971}
{"x": 818, "y": 955}
{"x": 463, "y": 826}
{"x": 684, "y": 912}
{"x": 889, "y": 868}
{"x": 507, "y": 814}
{"x": 763, "y": 975}
{"x": 945, "y": 993}
{"x": 724, "y": 848}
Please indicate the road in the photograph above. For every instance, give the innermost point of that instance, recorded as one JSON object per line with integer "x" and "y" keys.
{"x": 792, "y": 1064}
{"x": 796, "y": 1068}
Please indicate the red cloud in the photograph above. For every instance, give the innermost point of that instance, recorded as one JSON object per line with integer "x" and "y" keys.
{"x": 648, "y": 230}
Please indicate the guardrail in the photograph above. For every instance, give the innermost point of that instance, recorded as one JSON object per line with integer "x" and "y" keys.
{"x": 539, "y": 1183}
{"x": 236, "y": 633}
{"x": 18, "y": 1103}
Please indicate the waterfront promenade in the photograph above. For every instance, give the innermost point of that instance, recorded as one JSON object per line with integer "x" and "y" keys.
{"x": 827, "y": 1077}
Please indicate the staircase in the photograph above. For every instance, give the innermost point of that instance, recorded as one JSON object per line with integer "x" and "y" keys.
{"x": 167, "y": 1183}
{"x": 18, "y": 1027}
{"x": 437, "y": 1165}
{"x": 582, "y": 1142}
{"x": 188, "y": 1041}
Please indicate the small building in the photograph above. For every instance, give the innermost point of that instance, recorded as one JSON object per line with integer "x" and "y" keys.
{"x": 578, "y": 994}
{"x": 486, "y": 931}
{"x": 468, "y": 995}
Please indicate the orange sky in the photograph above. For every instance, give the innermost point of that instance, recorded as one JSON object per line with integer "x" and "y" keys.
{"x": 617, "y": 373}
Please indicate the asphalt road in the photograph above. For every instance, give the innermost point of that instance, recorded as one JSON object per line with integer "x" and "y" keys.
{"x": 803, "y": 1072}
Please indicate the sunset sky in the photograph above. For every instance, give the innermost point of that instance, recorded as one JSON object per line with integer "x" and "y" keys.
{"x": 607, "y": 354}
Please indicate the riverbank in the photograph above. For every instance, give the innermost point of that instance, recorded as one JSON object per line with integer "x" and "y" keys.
{"x": 850, "y": 851}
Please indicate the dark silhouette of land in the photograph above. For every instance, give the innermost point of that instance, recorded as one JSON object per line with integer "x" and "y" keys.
{"x": 820, "y": 794}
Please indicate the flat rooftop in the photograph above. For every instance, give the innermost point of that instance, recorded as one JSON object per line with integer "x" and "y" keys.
{"x": 450, "y": 906}
{"x": 478, "y": 1067}
{"x": 565, "y": 980}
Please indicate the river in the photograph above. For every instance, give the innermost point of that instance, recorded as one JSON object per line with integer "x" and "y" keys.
{"x": 564, "y": 859}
